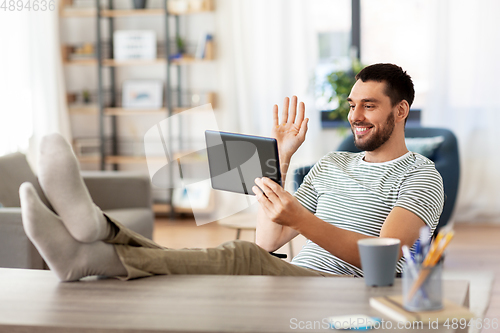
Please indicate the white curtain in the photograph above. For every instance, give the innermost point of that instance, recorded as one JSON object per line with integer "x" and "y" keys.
{"x": 267, "y": 51}
{"x": 464, "y": 97}
{"x": 31, "y": 81}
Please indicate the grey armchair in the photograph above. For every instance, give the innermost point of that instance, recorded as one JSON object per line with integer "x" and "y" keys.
{"x": 123, "y": 196}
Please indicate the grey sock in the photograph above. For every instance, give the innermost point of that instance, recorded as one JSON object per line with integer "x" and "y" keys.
{"x": 59, "y": 176}
{"x": 68, "y": 258}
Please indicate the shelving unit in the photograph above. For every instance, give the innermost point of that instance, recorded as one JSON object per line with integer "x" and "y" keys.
{"x": 108, "y": 108}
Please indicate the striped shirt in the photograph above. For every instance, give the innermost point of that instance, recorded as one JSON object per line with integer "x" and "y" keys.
{"x": 352, "y": 194}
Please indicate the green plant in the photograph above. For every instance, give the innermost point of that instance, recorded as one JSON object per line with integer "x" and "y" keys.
{"x": 341, "y": 83}
{"x": 86, "y": 96}
{"x": 181, "y": 47}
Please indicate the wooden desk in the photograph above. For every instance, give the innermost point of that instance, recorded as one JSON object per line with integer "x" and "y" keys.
{"x": 35, "y": 301}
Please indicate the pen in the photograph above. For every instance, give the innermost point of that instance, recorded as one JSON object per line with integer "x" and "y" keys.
{"x": 418, "y": 254}
{"x": 425, "y": 238}
{"x": 411, "y": 266}
{"x": 409, "y": 261}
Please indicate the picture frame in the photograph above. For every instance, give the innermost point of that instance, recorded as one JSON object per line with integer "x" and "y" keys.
{"x": 146, "y": 94}
{"x": 134, "y": 45}
{"x": 197, "y": 196}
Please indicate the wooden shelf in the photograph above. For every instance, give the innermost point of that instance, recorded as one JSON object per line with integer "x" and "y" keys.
{"x": 92, "y": 12}
{"x": 125, "y": 63}
{"x": 161, "y": 208}
{"x": 83, "y": 109}
{"x": 122, "y": 159}
{"x": 132, "y": 12}
{"x": 188, "y": 60}
{"x": 89, "y": 159}
{"x": 182, "y": 61}
{"x": 125, "y": 159}
{"x": 93, "y": 110}
{"x": 133, "y": 112}
{"x": 78, "y": 12}
{"x": 189, "y": 12}
{"x": 192, "y": 7}
{"x": 164, "y": 208}
{"x": 81, "y": 62}
{"x": 122, "y": 63}
{"x": 85, "y": 56}
{"x": 191, "y": 159}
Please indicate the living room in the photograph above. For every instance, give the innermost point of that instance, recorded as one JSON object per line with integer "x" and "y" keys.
{"x": 134, "y": 106}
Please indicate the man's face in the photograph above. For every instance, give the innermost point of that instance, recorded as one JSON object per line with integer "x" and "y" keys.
{"x": 371, "y": 115}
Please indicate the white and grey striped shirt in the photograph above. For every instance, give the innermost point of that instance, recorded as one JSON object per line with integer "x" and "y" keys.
{"x": 347, "y": 192}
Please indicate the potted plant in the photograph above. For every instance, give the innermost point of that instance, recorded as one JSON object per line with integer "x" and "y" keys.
{"x": 86, "y": 96}
{"x": 338, "y": 85}
{"x": 139, "y": 4}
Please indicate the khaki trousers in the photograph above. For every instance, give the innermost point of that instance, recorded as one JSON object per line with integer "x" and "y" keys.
{"x": 143, "y": 257}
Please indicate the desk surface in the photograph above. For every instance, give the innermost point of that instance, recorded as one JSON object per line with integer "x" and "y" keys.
{"x": 35, "y": 301}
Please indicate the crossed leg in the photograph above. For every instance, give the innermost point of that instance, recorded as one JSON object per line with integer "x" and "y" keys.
{"x": 81, "y": 241}
{"x": 66, "y": 256}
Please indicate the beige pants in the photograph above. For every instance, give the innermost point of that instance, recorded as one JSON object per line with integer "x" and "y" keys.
{"x": 143, "y": 257}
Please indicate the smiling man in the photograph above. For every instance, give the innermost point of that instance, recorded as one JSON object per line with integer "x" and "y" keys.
{"x": 385, "y": 191}
{"x": 379, "y": 101}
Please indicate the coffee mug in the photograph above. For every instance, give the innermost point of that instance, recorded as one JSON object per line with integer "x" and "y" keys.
{"x": 379, "y": 257}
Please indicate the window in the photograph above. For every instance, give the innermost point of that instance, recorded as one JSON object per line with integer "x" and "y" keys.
{"x": 332, "y": 23}
{"x": 399, "y": 32}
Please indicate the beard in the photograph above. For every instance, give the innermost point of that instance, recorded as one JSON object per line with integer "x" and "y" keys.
{"x": 378, "y": 137}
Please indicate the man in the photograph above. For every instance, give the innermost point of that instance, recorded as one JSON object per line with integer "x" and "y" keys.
{"x": 385, "y": 191}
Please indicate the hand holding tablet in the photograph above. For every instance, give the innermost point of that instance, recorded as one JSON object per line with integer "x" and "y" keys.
{"x": 235, "y": 160}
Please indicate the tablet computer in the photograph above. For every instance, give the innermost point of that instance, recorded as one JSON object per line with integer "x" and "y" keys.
{"x": 235, "y": 160}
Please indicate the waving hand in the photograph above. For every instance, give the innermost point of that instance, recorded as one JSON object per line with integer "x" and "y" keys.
{"x": 291, "y": 133}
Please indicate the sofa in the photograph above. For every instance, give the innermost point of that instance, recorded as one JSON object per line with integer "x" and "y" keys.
{"x": 124, "y": 196}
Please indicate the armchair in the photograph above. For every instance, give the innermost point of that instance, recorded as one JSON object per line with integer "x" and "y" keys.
{"x": 124, "y": 196}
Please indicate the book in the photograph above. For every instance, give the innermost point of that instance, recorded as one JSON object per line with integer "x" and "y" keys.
{"x": 204, "y": 49}
{"x": 392, "y": 306}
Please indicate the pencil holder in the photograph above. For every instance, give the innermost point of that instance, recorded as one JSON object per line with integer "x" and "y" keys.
{"x": 428, "y": 296}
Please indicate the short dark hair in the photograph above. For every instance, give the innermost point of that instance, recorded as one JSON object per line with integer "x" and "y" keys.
{"x": 399, "y": 85}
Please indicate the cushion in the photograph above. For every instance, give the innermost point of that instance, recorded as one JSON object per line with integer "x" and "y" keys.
{"x": 15, "y": 170}
{"x": 424, "y": 146}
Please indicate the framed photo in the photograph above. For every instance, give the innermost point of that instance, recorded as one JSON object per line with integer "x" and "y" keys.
{"x": 196, "y": 196}
{"x": 146, "y": 94}
{"x": 134, "y": 45}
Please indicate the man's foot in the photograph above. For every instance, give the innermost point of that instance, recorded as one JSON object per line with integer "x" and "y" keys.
{"x": 68, "y": 258}
{"x": 59, "y": 176}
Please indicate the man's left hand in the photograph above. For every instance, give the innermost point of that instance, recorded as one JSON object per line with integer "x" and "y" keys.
{"x": 279, "y": 205}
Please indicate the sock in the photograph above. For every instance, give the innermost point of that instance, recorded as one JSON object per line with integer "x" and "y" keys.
{"x": 68, "y": 258}
{"x": 60, "y": 179}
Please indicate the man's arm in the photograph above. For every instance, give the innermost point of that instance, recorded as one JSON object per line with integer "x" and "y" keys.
{"x": 269, "y": 235}
{"x": 290, "y": 134}
{"x": 400, "y": 223}
{"x": 283, "y": 209}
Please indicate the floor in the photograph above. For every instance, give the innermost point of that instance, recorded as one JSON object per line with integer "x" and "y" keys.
{"x": 474, "y": 247}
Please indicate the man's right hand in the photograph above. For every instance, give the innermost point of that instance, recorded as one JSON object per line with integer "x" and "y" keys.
{"x": 291, "y": 133}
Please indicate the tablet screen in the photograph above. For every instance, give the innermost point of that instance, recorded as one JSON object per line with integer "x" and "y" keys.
{"x": 235, "y": 160}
